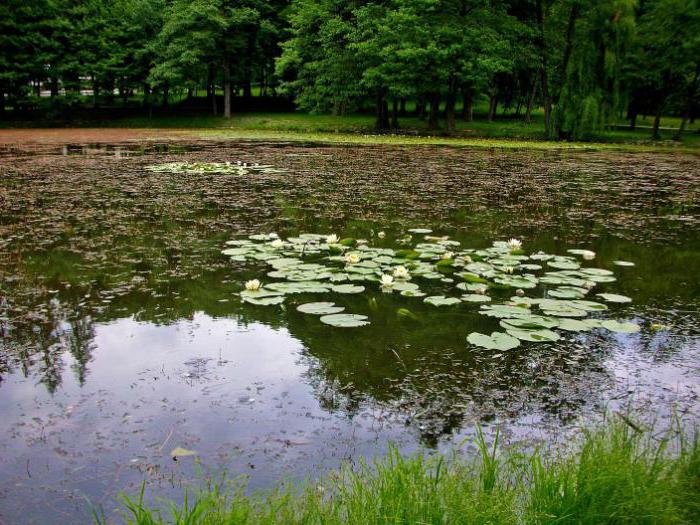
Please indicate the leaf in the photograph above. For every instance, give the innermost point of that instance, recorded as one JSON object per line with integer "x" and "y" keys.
{"x": 321, "y": 308}
{"x": 264, "y": 301}
{"x": 614, "y": 298}
{"x": 476, "y": 298}
{"x": 347, "y": 288}
{"x": 496, "y": 341}
{"x": 535, "y": 336}
{"x": 616, "y": 326}
{"x": 345, "y": 320}
{"x": 441, "y": 300}
{"x": 179, "y": 452}
{"x": 623, "y": 263}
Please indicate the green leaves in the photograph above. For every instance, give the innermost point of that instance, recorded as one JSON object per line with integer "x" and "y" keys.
{"x": 495, "y": 341}
{"x": 614, "y": 298}
{"x": 345, "y": 320}
{"x": 321, "y": 308}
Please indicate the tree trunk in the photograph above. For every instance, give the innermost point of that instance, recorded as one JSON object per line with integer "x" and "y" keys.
{"x": 657, "y": 121}
{"x": 468, "y": 107}
{"x": 166, "y": 95}
{"x": 54, "y": 87}
{"x": 2, "y": 103}
{"x": 633, "y": 119}
{"x": 434, "y": 110}
{"x": 395, "y": 114}
{"x": 382, "y": 113}
{"x": 539, "y": 12}
{"x": 402, "y": 110}
{"x": 420, "y": 107}
{"x": 692, "y": 88}
{"x": 493, "y": 106}
{"x": 531, "y": 101}
{"x": 95, "y": 94}
{"x": 227, "y": 90}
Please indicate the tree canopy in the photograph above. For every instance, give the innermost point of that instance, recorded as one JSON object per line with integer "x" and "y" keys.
{"x": 586, "y": 62}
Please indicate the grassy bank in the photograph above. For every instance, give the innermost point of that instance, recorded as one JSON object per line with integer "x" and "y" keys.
{"x": 504, "y": 132}
{"x": 616, "y": 474}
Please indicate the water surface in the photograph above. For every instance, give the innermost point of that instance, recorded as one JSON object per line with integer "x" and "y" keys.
{"x": 122, "y": 336}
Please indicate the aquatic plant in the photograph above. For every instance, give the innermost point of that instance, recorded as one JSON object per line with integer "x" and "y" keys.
{"x": 325, "y": 264}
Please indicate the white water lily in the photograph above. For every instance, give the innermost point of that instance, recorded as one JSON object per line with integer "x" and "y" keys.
{"x": 272, "y": 235}
{"x": 401, "y": 272}
{"x": 588, "y": 255}
{"x": 508, "y": 269}
{"x": 514, "y": 244}
{"x": 332, "y": 239}
{"x": 381, "y": 235}
{"x": 277, "y": 243}
{"x": 447, "y": 255}
{"x": 253, "y": 285}
{"x": 387, "y": 281}
{"x": 588, "y": 285}
{"x": 520, "y": 292}
{"x": 352, "y": 258}
{"x": 467, "y": 259}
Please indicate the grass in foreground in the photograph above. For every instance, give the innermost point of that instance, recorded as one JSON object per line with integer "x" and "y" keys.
{"x": 615, "y": 475}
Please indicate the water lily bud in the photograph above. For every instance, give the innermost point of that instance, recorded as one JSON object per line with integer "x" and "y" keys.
{"x": 277, "y": 243}
{"x": 381, "y": 235}
{"x": 520, "y": 292}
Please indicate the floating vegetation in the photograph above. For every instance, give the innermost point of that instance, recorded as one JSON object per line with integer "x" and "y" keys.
{"x": 234, "y": 168}
{"x": 494, "y": 281}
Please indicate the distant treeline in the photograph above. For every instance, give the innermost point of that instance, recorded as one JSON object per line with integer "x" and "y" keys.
{"x": 586, "y": 62}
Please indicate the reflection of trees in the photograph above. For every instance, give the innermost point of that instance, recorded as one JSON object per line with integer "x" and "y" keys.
{"x": 414, "y": 371}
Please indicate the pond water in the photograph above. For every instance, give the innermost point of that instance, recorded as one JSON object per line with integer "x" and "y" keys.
{"x": 124, "y": 337}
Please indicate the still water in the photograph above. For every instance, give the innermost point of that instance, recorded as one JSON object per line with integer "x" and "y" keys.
{"x": 123, "y": 337}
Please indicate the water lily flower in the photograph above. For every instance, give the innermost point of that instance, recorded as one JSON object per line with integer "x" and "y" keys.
{"x": 588, "y": 255}
{"x": 508, "y": 269}
{"x": 332, "y": 239}
{"x": 401, "y": 272}
{"x": 253, "y": 285}
{"x": 387, "y": 281}
{"x": 352, "y": 258}
{"x": 588, "y": 285}
{"x": 467, "y": 259}
{"x": 520, "y": 292}
{"x": 277, "y": 243}
{"x": 272, "y": 235}
{"x": 381, "y": 235}
{"x": 447, "y": 255}
{"x": 514, "y": 244}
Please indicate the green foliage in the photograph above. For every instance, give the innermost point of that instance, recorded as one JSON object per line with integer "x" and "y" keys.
{"x": 616, "y": 474}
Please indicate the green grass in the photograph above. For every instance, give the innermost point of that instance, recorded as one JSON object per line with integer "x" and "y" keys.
{"x": 617, "y": 474}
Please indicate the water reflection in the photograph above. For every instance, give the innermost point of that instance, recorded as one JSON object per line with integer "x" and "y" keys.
{"x": 122, "y": 337}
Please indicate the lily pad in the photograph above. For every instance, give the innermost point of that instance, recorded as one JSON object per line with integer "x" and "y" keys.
{"x": 476, "y": 298}
{"x": 616, "y": 326}
{"x": 441, "y": 300}
{"x": 345, "y": 320}
{"x": 495, "y": 341}
{"x": 264, "y": 301}
{"x": 322, "y": 308}
{"x": 347, "y": 288}
{"x": 535, "y": 336}
{"x": 614, "y": 298}
{"x": 623, "y": 263}
{"x": 179, "y": 452}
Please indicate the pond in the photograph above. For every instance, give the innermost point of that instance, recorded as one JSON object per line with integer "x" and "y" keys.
{"x": 126, "y": 344}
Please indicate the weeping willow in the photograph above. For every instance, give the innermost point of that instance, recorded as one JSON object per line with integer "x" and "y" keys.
{"x": 590, "y": 94}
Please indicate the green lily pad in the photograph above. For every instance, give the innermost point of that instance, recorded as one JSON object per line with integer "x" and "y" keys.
{"x": 263, "y": 301}
{"x": 615, "y": 326}
{"x": 575, "y": 325}
{"x": 614, "y": 298}
{"x": 535, "y": 336}
{"x": 495, "y": 341}
{"x": 345, "y": 320}
{"x": 179, "y": 452}
{"x": 623, "y": 263}
{"x": 321, "y": 308}
{"x": 347, "y": 288}
{"x": 476, "y": 298}
{"x": 441, "y": 300}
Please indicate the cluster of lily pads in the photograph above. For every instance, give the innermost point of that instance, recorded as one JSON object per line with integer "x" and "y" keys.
{"x": 235, "y": 168}
{"x": 322, "y": 264}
